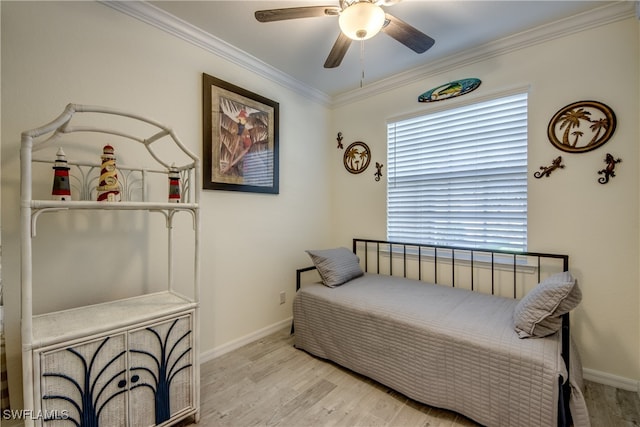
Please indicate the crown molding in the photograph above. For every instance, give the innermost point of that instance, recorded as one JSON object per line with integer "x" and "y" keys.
{"x": 564, "y": 27}
{"x": 165, "y": 21}
{"x": 162, "y": 20}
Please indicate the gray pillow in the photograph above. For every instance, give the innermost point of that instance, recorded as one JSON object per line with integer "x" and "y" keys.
{"x": 336, "y": 266}
{"x": 539, "y": 313}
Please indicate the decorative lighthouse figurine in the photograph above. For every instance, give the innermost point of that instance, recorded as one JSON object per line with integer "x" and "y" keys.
{"x": 109, "y": 187}
{"x": 174, "y": 185}
{"x": 61, "y": 186}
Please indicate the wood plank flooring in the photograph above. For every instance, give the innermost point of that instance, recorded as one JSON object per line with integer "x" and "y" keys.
{"x": 270, "y": 383}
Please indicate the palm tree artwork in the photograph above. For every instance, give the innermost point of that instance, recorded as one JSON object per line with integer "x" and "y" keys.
{"x": 566, "y": 133}
{"x": 357, "y": 157}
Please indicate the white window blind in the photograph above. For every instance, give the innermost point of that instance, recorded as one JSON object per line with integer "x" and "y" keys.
{"x": 459, "y": 177}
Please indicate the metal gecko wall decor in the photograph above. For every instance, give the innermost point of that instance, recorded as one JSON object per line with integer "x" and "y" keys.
{"x": 565, "y": 131}
{"x": 378, "y": 173}
{"x": 609, "y": 170}
{"x": 339, "y": 139}
{"x": 547, "y": 170}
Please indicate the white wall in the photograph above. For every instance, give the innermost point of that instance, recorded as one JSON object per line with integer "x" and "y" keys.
{"x": 54, "y": 53}
{"x": 59, "y": 52}
{"x": 569, "y": 212}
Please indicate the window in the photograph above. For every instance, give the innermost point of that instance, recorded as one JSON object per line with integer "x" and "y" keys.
{"x": 459, "y": 177}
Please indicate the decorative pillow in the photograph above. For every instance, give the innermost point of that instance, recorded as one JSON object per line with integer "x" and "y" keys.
{"x": 336, "y": 266}
{"x": 539, "y": 313}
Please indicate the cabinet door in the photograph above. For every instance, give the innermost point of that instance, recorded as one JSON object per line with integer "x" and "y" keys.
{"x": 161, "y": 371}
{"x": 85, "y": 384}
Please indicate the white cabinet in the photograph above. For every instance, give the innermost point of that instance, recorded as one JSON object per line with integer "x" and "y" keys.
{"x": 85, "y": 383}
{"x": 160, "y": 370}
{"x": 128, "y": 362}
{"x": 148, "y": 368}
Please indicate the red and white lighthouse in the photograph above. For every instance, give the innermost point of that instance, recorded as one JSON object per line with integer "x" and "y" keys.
{"x": 61, "y": 186}
{"x": 174, "y": 185}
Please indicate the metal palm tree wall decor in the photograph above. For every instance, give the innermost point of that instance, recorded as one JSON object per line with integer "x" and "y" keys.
{"x": 357, "y": 157}
{"x": 565, "y": 131}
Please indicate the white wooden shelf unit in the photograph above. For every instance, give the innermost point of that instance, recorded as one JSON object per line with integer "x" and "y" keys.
{"x": 129, "y": 362}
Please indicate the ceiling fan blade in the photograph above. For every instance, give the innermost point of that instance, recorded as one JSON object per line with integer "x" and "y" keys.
{"x": 338, "y": 51}
{"x": 271, "y": 15}
{"x": 407, "y": 35}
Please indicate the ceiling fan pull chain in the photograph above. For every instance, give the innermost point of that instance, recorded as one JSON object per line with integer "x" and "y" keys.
{"x": 362, "y": 63}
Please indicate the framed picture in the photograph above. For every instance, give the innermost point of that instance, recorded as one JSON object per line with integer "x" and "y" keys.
{"x": 240, "y": 139}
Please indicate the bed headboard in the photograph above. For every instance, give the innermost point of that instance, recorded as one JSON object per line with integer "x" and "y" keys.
{"x": 485, "y": 270}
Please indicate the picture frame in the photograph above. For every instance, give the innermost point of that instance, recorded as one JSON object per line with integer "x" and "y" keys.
{"x": 240, "y": 139}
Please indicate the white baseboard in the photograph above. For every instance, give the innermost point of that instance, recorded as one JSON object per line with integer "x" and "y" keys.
{"x": 237, "y": 343}
{"x": 611, "y": 380}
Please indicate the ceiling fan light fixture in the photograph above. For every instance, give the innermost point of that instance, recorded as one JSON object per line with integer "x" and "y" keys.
{"x": 361, "y": 20}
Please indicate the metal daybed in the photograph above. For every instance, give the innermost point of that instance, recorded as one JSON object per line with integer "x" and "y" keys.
{"x": 450, "y": 327}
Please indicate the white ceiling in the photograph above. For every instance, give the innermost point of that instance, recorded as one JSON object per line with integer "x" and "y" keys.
{"x": 300, "y": 47}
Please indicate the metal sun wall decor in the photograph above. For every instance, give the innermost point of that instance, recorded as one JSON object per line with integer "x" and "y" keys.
{"x": 450, "y": 90}
{"x": 565, "y": 131}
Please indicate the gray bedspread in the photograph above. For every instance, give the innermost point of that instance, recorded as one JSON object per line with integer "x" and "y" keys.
{"x": 445, "y": 347}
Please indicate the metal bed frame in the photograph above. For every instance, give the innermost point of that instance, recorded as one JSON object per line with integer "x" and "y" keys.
{"x": 372, "y": 254}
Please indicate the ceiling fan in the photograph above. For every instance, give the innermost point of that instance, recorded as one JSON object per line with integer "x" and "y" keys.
{"x": 358, "y": 20}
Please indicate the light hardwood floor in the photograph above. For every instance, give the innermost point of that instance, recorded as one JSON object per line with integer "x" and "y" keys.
{"x": 270, "y": 383}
